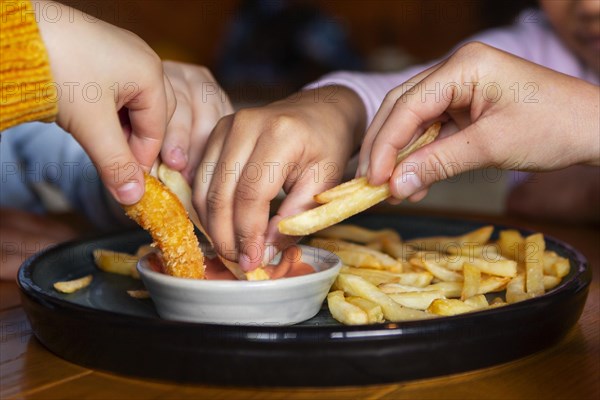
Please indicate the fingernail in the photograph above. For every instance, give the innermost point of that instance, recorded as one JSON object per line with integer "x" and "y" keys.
{"x": 129, "y": 193}
{"x": 245, "y": 262}
{"x": 362, "y": 169}
{"x": 269, "y": 254}
{"x": 178, "y": 156}
{"x": 407, "y": 184}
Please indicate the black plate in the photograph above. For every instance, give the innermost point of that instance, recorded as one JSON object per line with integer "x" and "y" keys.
{"x": 102, "y": 327}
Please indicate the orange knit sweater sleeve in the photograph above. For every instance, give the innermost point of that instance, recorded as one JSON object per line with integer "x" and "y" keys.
{"x": 27, "y": 92}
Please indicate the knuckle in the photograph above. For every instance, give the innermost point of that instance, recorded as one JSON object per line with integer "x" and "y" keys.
{"x": 472, "y": 50}
{"x": 242, "y": 117}
{"x": 287, "y": 129}
{"x": 440, "y": 166}
{"x": 216, "y": 201}
{"x": 393, "y": 95}
{"x": 246, "y": 193}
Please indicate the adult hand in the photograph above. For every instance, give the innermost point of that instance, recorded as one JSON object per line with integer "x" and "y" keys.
{"x": 500, "y": 110}
{"x": 101, "y": 70}
{"x": 300, "y": 144}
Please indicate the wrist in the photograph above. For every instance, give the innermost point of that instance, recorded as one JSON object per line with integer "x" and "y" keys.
{"x": 587, "y": 124}
{"x": 340, "y": 107}
{"x": 355, "y": 113}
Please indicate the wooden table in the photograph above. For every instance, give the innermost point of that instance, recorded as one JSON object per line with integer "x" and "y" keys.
{"x": 569, "y": 370}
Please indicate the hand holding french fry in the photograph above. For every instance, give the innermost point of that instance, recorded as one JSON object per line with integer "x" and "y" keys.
{"x": 300, "y": 144}
{"x": 536, "y": 125}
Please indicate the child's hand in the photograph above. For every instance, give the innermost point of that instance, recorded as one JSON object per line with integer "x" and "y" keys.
{"x": 300, "y": 144}
{"x": 99, "y": 70}
{"x": 501, "y": 110}
{"x": 200, "y": 104}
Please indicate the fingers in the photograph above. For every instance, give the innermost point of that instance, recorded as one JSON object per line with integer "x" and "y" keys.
{"x": 205, "y": 118}
{"x": 200, "y": 104}
{"x": 437, "y": 161}
{"x": 174, "y": 152}
{"x": 385, "y": 109}
{"x": 226, "y": 153}
{"x": 101, "y": 135}
{"x": 149, "y": 113}
{"x": 262, "y": 178}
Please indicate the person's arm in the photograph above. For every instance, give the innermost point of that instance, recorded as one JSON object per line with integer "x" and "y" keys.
{"x": 100, "y": 74}
{"x": 486, "y": 125}
{"x": 27, "y": 90}
{"x": 530, "y": 37}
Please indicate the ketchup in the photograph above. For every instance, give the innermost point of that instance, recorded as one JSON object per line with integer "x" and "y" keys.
{"x": 289, "y": 266}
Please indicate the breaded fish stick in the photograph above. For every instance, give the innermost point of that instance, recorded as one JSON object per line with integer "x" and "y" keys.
{"x": 161, "y": 213}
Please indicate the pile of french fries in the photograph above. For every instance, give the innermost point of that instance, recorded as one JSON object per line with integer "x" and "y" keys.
{"x": 387, "y": 279}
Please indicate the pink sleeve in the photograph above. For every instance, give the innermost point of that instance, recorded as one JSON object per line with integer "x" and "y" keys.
{"x": 530, "y": 37}
{"x": 370, "y": 87}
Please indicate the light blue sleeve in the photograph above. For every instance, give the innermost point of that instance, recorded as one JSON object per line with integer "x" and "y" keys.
{"x": 37, "y": 152}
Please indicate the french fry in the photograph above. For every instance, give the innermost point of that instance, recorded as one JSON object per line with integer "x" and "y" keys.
{"x": 139, "y": 294}
{"x": 462, "y": 276}
{"x": 377, "y": 259}
{"x": 345, "y": 312}
{"x": 511, "y": 244}
{"x": 448, "y": 307}
{"x": 116, "y": 262}
{"x": 506, "y": 268}
{"x": 358, "y": 259}
{"x": 534, "y": 264}
{"x": 471, "y": 281}
{"x": 493, "y": 284}
{"x": 478, "y": 301}
{"x": 360, "y": 198}
{"x": 377, "y": 277}
{"x": 392, "y": 311}
{"x": 374, "y": 246}
{"x": 448, "y": 289}
{"x": 417, "y": 300}
{"x": 341, "y": 190}
{"x": 73, "y": 285}
{"x": 488, "y": 252}
{"x": 373, "y": 310}
{"x": 550, "y": 257}
{"x": 396, "y": 248}
{"x": 561, "y": 267}
{"x": 515, "y": 290}
{"x": 498, "y": 301}
{"x": 443, "y": 243}
{"x": 550, "y": 281}
{"x": 442, "y": 273}
{"x": 555, "y": 265}
{"x": 356, "y": 233}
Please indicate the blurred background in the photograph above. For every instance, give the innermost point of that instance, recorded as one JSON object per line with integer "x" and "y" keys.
{"x": 263, "y": 50}
{"x": 260, "y": 50}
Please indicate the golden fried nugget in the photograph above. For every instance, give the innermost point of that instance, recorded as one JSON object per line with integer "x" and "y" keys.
{"x": 161, "y": 213}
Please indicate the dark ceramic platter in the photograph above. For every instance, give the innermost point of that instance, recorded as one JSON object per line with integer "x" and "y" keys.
{"x": 102, "y": 327}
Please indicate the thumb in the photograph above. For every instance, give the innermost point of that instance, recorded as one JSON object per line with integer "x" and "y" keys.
{"x": 439, "y": 160}
{"x": 107, "y": 146}
{"x": 299, "y": 199}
